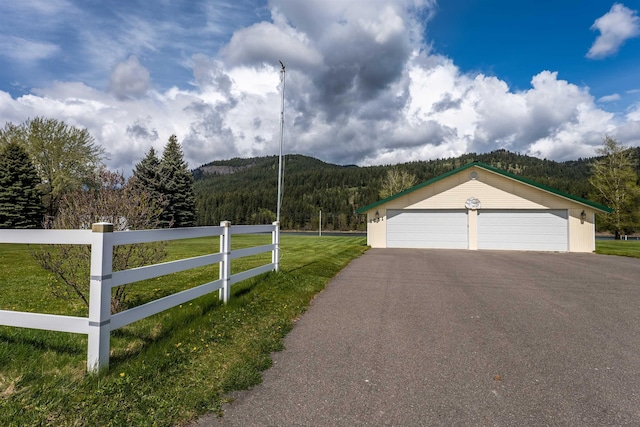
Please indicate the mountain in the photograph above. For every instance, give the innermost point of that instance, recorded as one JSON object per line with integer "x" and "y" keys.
{"x": 244, "y": 191}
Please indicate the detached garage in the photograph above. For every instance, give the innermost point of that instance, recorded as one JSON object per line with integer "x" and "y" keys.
{"x": 478, "y": 206}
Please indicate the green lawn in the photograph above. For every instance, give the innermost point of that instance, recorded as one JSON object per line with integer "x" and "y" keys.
{"x": 171, "y": 367}
{"x": 630, "y": 248}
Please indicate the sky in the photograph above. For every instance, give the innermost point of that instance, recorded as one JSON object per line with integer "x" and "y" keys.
{"x": 366, "y": 81}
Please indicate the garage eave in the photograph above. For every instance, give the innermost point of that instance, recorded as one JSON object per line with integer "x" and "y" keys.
{"x": 593, "y": 205}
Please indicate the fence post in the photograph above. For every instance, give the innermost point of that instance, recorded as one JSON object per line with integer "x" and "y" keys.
{"x": 275, "y": 239}
{"x": 225, "y": 264}
{"x": 100, "y": 297}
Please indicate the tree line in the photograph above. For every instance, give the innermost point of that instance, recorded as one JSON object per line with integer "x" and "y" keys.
{"x": 52, "y": 176}
{"x": 43, "y": 161}
{"x": 244, "y": 190}
{"x": 47, "y": 165}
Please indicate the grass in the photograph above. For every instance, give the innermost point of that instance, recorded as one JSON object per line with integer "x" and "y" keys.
{"x": 629, "y": 248}
{"x": 167, "y": 369}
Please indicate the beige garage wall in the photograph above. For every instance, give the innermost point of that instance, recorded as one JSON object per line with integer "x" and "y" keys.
{"x": 377, "y": 229}
{"x": 582, "y": 233}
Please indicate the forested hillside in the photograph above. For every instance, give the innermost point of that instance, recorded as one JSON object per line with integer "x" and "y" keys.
{"x": 244, "y": 191}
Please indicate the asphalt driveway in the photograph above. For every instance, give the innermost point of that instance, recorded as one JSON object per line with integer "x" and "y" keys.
{"x": 464, "y": 338}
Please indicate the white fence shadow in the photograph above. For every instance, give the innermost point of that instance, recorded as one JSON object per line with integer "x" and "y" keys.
{"x": 101, "y": 322}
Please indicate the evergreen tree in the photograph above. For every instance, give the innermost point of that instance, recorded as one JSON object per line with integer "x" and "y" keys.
{"x": 146, "y": 176}
{"x": 177, "y": 187}
{"x": 20, "y": 200}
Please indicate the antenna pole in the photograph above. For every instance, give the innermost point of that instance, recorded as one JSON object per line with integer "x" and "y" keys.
{"x": 281, "y": 144}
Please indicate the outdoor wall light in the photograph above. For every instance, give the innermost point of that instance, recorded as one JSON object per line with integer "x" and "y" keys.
{"x": 583, "y": 216}
{"x": 376, "y": 217}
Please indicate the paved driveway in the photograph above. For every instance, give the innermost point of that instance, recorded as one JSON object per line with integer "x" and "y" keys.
{"x": 464, "y": 338}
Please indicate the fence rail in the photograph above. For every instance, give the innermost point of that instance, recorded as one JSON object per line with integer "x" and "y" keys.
{"x": 102, "y": 239}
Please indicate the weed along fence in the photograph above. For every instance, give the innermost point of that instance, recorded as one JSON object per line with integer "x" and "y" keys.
{"x": 102, "y": 239}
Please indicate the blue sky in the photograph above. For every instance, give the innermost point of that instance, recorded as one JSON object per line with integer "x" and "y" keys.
{"x": 367, "y": 82}
{"x": 516, "y": 40}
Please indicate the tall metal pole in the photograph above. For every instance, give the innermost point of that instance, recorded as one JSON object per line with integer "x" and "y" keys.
{"x": 281, "y": 143}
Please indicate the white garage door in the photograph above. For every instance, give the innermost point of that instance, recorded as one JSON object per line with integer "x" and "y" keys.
{"x": 532, "y": 230}
{"x": 445, "y": 229}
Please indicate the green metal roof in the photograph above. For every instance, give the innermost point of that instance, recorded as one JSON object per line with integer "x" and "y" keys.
{"x": 504, "y": 173}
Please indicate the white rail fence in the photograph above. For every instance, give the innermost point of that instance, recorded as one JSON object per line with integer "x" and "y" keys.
{"x": 102, "y": 239}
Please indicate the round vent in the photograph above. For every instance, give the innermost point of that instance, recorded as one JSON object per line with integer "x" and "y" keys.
{"x": 472, "y": 203}
{"x": 473, "y": 175}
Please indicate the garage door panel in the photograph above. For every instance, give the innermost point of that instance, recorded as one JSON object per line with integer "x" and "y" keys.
{"x": 509, "y": 237}
{"x": 446, "y": 229}
{"x": 542, "y": 230}
{"x": 528, "y": 221}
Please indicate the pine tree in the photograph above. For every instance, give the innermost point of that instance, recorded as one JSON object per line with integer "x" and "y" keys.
{"x": 20, "y": 200}
{"x": 146, "y": 177}
{"x": 177, "y": 187}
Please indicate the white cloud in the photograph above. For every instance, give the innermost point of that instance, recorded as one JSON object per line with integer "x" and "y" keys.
{"x": 266, "y": 43}
{"x": 634, "y": 113}
{"x": 26, "y": 51}
{"x": 27, "y": 28}
{"x": 42, "y": 7}
{"x": 553, "y": 119}
{"x": 361, "y": 88}
{"x": 615, "y": 26}
{"x": 129, "y": 79}
{"x": 609, "y": 98}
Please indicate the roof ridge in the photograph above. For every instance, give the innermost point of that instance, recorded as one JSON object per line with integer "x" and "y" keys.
{"x": 493, "y": 169}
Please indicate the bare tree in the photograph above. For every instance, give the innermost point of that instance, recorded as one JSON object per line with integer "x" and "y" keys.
{"x": 616, "y": 185}
{"x": 396, "y": 181}
{"x": 113, "y": 199}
